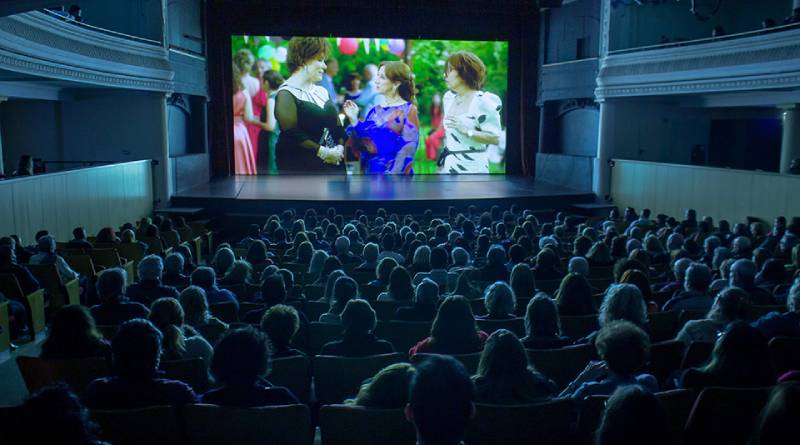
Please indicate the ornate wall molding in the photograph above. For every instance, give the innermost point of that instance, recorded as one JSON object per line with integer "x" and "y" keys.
{"x": 750, "y": 63}
{"x": 38, "y": 44}
{"x": 567, "y": 80}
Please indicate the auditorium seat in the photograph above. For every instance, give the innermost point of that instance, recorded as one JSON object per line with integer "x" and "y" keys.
{"x": 756, "y": 312}
{"x": 697, "y": 354}
{"x": 562, "y": 365}
{"x": 370, "y": 292}
{"x": 338, "y": 378}
{"x": 212, "y": 425}
{"x": 247, "y": 306}
{"x": 385, "y": 310}
{"x": 470, "y": 361}
{"x": 578, "y": 326}
{"x": 687, "y": 315}
{"x": 191, "y": 371}
{"x": 515, "y": 325}
{"x": 478, "y": 306}
{"x": 34, "y": 301}
{"x": 154, "y": 425}
{"x": 133, "y": 253}
{"x": 356, "y": 425}
{"x": 785, "y": 354}
{"x": 548, "y": 286}
{"x": 84, "y": 265}
{"x": 663, "y": 325}
{"x": 541, "y": 423}
{"x": 321, "y": 333}
{"x": 5, "y": 327}
{"x": 313, "y": 292}
{"x": 725, "y": 414}
{"x": 60, "y": 295}
{"x": 76, "y": 373}
{"x": 665, "y": 358}
{"x": 403, "y": 334}
{"x": 295, "y": 374}
{"x": 224, "y": 311}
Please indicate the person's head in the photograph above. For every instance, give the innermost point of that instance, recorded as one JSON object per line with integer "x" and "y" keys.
{"x": 331, "y": 67}
{"x": 47, "y": 244}
{"x": 173, "y": 264}
{"x": 273, "y": 289}
{"x": 624, "y": 346}
{"x": 503, "y": 358}
{"x": 426, "y": 293}
{"x": 280, "y": 323}
{"x": 460, "y": 257}
{"x": 575, "y": 293}
{"x": 743, "y": 274}
{"x": 793, "y": 298}
{"x": 256, "y": 253}
{"x": 136, "y": 349}
{"x": 25, "y": 166}
{"x": 634, "y": 416}
{"x": 79, "y": 233}
{"x": 731, "y": 304}
{"x": 623, "y": 302}
{"x": 342, "y": 245}
{"x": 578, "y": 265}
{"x": 438, "y": 258}
{"x": 464, "y": 71}
{"x": 352, "y": 81}
{"x": 400, "y": 284}
{"x": 272, "y": 79}
{"x": 680, "y": 267}
{"x": 422, "y": 257}
{"x": 204, "y": 277}
{"x": 599, "y": 253}
{"x": 107, "y": 234}
{"x": 454, "y": 325}
{"x": 388, "y": 389}
{"x": 111, "y": 285}
{"x": 776, "y": 423}
{"x": 541, "y": 317}
{"x": 440, "y": 400}
{"x": 344, "y": 290}
{"x": 308, "y": 54}
{"x": 317, "y": 262}
{"x": 499, "y": 299}
{"x": 223, "y": 258}
{"x": 67, "y": 418}
{"x": 396, "y": 78}
{"x": 331, "y": 263}
{"x": 370, "y": 252}
{"x": 72, "y": 325}
{"x": 241, "y": 356}
{"x": 151, "y": 267}
{"x": 370, "y": 72}
{"x": 741, "y": 356}
{"x": 772, "y": 272}
{"x": 495, "y": 256}
{"x": 195, "y": 305}
{"x": 358, "y": 318}
{"x": 720, "y": 254}
{"x": 522, "y": 281}
{"x": 384, "y": 268}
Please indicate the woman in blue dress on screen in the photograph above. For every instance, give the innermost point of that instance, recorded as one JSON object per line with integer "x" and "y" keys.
{"x": 386, "y": 140}
{"x": 474, "y": 137}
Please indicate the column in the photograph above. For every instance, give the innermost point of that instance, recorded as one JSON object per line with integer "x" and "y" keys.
{"x": 601, "y": 173}
{"x": 790, "y": 142}
{"x": 162, "y": 173}
{"x": 2, "y": 168}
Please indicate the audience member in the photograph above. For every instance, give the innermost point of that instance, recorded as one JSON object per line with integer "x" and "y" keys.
{"x": 67, "y": 419}
{"x": 114, "y": 308}
{"x": 400, "y": 288}
{"x": 195, "y": 309}
{"x": 730, "y": 305}
{"x": 695, "y": 294}
{"x": 786, "y": 324}
{"x": 495, "y": 267}
{"x": 281, "y": 323}
{"x": 180, "y": 341}
{"x": 79, "y": 240}
{"x": 344, "y": 290}
{"x": 205, "y": 278}
{"x": 632, "y": 416}
{"x": 387, "y": 390}
{"x": 358, "y": 321}
{"x": 47, "y": 255}
{"x": 776, "y": 423}
{"x": 426, "y": 297}
{"x": 149, "y": 287}
{"x": 454, "y": 330}
{"x": 542, "y": 324}
{"x": 743, "y": 275}
{"x": 574, "y": 296}
{"x": 73, "y": 334}
{"x": 173, "y": 272}
{"x": 500, "y": 302}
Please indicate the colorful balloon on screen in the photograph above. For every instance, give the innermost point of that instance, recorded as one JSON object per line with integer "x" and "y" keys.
{"x": 266, "y": 52}
{"x": 348, "y": 45}
{"x": 397, "y": 46}
{"x": 280, "y": 54}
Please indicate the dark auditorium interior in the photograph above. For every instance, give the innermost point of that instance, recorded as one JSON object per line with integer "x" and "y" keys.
{"x": 432, "y": 222}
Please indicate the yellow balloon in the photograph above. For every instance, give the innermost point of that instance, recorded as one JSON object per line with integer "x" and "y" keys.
{"x": 275, "y": 65}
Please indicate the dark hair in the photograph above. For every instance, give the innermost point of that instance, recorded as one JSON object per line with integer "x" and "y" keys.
{"x": 241, "y": 356}
{"x": 634, "y": 416}
{"x": 541, "y": 317}
{"x": 624, "y": 346}
{"x": 303, "y": 49}
{"x": 776, "y": 423}
{"x": 574, "y": 295}
{"x": 401, "y": 73}
{"x": 257, "y": 252}
{"x": 273, "y": 78}
{"x": 440, "y": 397}
{"x": 344, "y": 290}
{"x": 79, "y": 233}
{"x": 273, "y": 289}
{"x": 438, "y": 258}
{"x": 349, "y": 78}
{"x": 66, "y": 418}
{"x": 400, "y": 286}
{"x": 136, "y": 349}
{"x": 358, "y": 317}
{"x": 280, "y": 323}
{"x": 72, "y": 334}
{"x": 454, "y": 329}
{"x": 741, "y": 357}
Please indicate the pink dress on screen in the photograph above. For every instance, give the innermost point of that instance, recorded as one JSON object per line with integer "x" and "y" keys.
{"x": 259, "y": 102}
{"x": 244, "y": 160}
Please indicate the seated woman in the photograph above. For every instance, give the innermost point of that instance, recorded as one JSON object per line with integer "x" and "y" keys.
{"x": 240, "y": 364}
{"x": 740, "y": 359}
{"x": 173, "y": 272}
{"x": 387, "y": 139}
{"x": 383, "y": 271}
{"x": 74, "y": 335}
{"x": 522, "y": 281}
{"x": 67, "y": 419}
{"x": 195, "y": 308}
{"x": 47, "y": 255}
{"x": 181, "y": 341}
{"x": 454, "y": 330}
{"x": 495, "y": 268}
{"x": 505, "y": 376}
{"x": 387, "y": 390}
{"x": 426, "y": 297}
{"x": 114, "y": 308}
{"x": 730, "y": 305}
{"x": 344, "y": 290}
{"x": 305, "y": 252}
{"x": 281, "y": 323}
{"x": 189, "y": 265}
{"x": 546, "y": 266}
{"x": 106, "y": 235}
{"x": 400, "y": 288}
{"x": 621, "y": 302}
{"x": 574, "y": 296}
{"x": 222, "y": 260}
{"x": 205, "y": 278}
{"x": 634, "y": 415}
{"x": 257, "y": 253}
{"x": 240, "y": 273}
{"x": 464, "y": 286}
{"x": 500, "y": 302}
{"x": 542, "y": 325}
{"x": 624, "y": 348}
{"x": 358, "y": 321}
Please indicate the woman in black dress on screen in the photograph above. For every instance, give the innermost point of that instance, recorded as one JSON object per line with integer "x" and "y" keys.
{"x": 304, "y": 112}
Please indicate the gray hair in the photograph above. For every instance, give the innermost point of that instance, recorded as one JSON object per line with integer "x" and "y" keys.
{"x": 460, "y": 256}
{"x": 623, "y": 302}
{"x": 632, "y": 245}
{"x": 111, "y": 284}
{"x": 427, "y": 292}
{"x": 548, "y": 241}
{"x": 720, "y": 254}
{"x": 652, "y": 244}
{"x": 128, "y": 236}
{"x": 740, "y": 243}
{"x": 496, "y": 255}
{"x": 578, "y": 265}
{"x": 675, "y": 241}
{"x": 453, "y": 236}
{"x": 743, "y": 273}
{"x": 47, "y": 244}
{"x": 711, "y": 243}
{"x": 680, "y": 267}
{"x": 499, "y": 299}
{"x": 698, "y": 277}
{"x": 793, "y": 299}
{"x": 317, "y": 261}
{"x": 342, "y": 244}
{"x": 173, "y": 264}
{"x": 223, "y": 259}
{"x": 422, "y": 256}
{"x": 195, "y": 305}
{"x": 150, "y": 267}
{"x": 370, "y": 252}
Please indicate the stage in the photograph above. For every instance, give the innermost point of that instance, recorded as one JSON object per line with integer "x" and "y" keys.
{"x": 263, "y": 195}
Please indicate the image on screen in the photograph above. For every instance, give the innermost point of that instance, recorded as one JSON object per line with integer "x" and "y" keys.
{"x": 368, "y": 106}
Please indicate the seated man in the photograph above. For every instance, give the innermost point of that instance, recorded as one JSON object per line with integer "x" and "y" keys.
{"x": 136, "y": 350}
{"x": 787, "y": 324}
{"x": 47, "y": 255}
{"x": 149, "y": 287}
{"x": 439, "y": 274}
{"x": 207, "y": 279}
{"x": 114, "y": 309}
{"x": 440, "y": 401}
{"x": 695, "y": 295}
{"x": 79, "y": 240}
